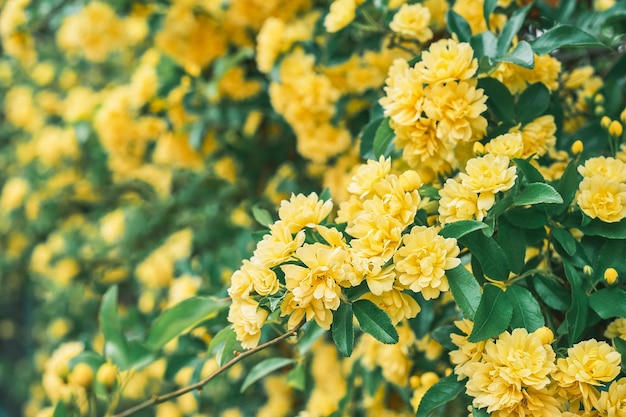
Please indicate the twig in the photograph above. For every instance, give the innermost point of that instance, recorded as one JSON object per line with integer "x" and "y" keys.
{"x": 157, "y": 399}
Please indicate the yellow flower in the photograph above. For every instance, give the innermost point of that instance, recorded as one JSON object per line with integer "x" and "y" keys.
{"x": 467, "y": 353}
{"x": 612, "y": 403}
{"x": 13, "y": 193}
{"x": 303, "y": 211}
{"x": 488, "y": 175}
{"x": 607, "y": 167}
{"x": 278, "y": 245}
{"x": 404, "y": 94}
{"x": 588, "y": 365}
{"x": 398, "y": 304}
{"x": 617, "y": 328}
{"x": 412, "y": 21}
{"x": 510, "y": 145}
{"x": 603, "y": 198}
{"x": 112, "y": 226}
{"x": 341, "y": 13}
{"x": 457, "y": 108}
{"x": 423, "y": 259}
{"x": 538, "y": 136}
{"x": 183, "y": 287}
{"x": 279, "y": 397}
{"x": 610, "y": 276}
{"x": 458, "y": 202}
{"x": 315, "y": 288}
{"x": 447, "y": 60}
{"x": 247, "y": 319}
{"x": 368, "y": 175}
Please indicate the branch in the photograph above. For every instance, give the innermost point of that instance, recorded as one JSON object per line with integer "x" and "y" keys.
{"x": 157, "y": 399}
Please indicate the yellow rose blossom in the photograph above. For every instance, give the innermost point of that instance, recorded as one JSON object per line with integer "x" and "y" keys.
{"x": 404, "y": 94}
{"x": 13, "y": 193}
{"x": 612, "y": 403}
{"x": 488, "y": 175}
{"x": 247, "y": 319}
{"x": 314, "y": 289}
{"x": 279, "y": 397}
{"x": 457, "y": 108}
{"x": 510, "y": 145}
{"x": 438, "y": 11}
{"x": 447, "y": 60}
{"x": 368, "y": 175}
{"x": 538, "y": 136}
{"x": 376, "y": 235}
{"x": 617, "y": 328}
{"x": 398, "y": 304}
{"x": 423, "y": 259}
{"x": 277, "y": 246}
{"x": 610, "y": 275}
{"x": 422, "y": 146}
{"x": 458, "y": 202}
{"x": 467, "y": 353}
{"x": 588, "y": 365}
{"x": 412, "y": 21}
{"x": 302, "y": 211}
{"x": 607, "y": 167}
{"x": 341, "y": 13}
{"x": 602, "y": 198}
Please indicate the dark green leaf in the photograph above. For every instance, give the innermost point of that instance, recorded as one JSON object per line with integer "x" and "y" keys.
{"x": 488, "y": 7}
{"x": 512, "y": 240}
{"x": 537, "y": 193}
{"x": 312, "y": 332}
{"x": 296, "y": 378}
{"x": 223, "y": 345}
{"x": 527, "y": 217}
{"x": 60, "y": 410}
{"x": 458, "y": 25}
{"x": 442, "y": 335}
{"x": 444, "y": 391}
{"x": 484, "y": 45}
{"x": 115, "y": 345}
{"x": 262, "y": 216}
{"x": 479, "y": 412}
{"x": 551, "y": 293}
{"x": 500, "y": 100}
{"x": 620, "y": 345}
{"x": 564, "y": 36}
{"x": 609, "y": 302}
{"x": 531, "y": 173}
{"x": 367, "y": 138}
{"x": 576, "y": 316}
{"x": 526, "y": 310}
{"x": 375, "y": 321}
{"x": 465, "y": 290}
{"x": 493, "y": 314}
{"x": 342, "y": 329}
{"x": 184, "y": 315}
{"x": 90, "y": 358}
{"x": 461, "y": 228}
{"x": 382, "y": 138}
{"x": 264, "y": 368}
{"x": 492, "y": 258}
{"x": 565, "y": 239}
{"x": 533, "y": 102}
{"x": 521, "y": 55}
{"x": 609, "y": 230}
{"x": 512, "y": 26}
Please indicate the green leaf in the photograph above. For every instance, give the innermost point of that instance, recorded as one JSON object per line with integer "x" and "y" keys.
{"x": 490, "y": 255}
{"x": 375, "y": 321}
{"x": 312, "y": 332}
{"x": 223, "y": 345}
{"x": 609, "y": 302}
{"x": 479, "y": 412}
{"x": 461, "y": 228}
{"x": 526, "y": 310}
{"x": 264, "y": 368}
{"x": 538, "y": 193}
{"x": 383, "y": 137}
{"x": 442, "y": 335}
{"x": 551, "y": 293}
{"x": 342, "y": 329}
{"x": 510, "y": 29}
{"x": 567, "y": 186}
{"x": 115, "y": 345}
{"x": 90, "y": 358}
{"x": 465, "y": 290}
{"x": 488, "y": 7}
{"x": 527, "y": 218}
{"x": 565, "y": 239}
{"x": 493, "y": 314}
{"x": 60, "y": 410}
{"x": 609, "y": 230}
{"x": 262, "y": 216}
{"x": 521, "y": 55}
{"x": 484, "y": 45}
{"x": 444, "y": 391}
{"x": 512, "y": 240}
{"x": 576, "y": 316}
{"x": 533, "y": 102}
{"x": 458, "y": 25}
{"x": 367, "y": 138}
{"x": 296, "y": 378}
{"x": 620, "y": 345}
{"x": 564, "y": 36}
{"x": 499, "y": 100}
{"x": 175, "y": 320}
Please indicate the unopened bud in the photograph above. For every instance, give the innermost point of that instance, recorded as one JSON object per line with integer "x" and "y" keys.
{"x": 610, "y": 275}
{"x": 622, "y": 116}
{"x": 107, "y": 375}
{"x": 577, "y": 147}
{"x": 429, "y": 379}
{"x": 605, "y": 122}
{"x": 82, "y": 375}
{"x": 545, "y": 335}
{"x": 598, "y": 99}
{"x": 479, "y": 148}
{"x": 615, "y": 128}
{"x": 588, "y": 270}
{"x": 599, "y": 110}
{"x": 414, "y": 382}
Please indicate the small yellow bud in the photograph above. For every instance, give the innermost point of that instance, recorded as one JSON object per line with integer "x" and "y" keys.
{"x": 622, "y": 116}
{"x": 479, "y": 148}
{"x": 610, "y": 275}
{"x": 599, "y": 110}
{"x": 107, "y": 375}
{"x": 428, "y": 379}
{"x": 415, "y": 382}
{"x": 545, "y": 334}
{"x": 599, "y": 99}
{"x": 588, "y": 270}
{"x": 605, "y": 122}
{"x": 615, "y": 128}
{"x": 82, "y": 375}
{"x": 577, "y": 147}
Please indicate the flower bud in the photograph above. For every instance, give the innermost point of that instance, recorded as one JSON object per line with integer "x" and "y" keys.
{"x": 577, "y": 147}
{"x": 107, "y": 375}
{"x": 545, "y": 334}
{"x": 479, "y": 148}
{"x": 598, "y": 99}
{"x": 428, "y": 379}
{"x": 622, "y": 116}
{"x": 615, "y": 128}
{"x": 610, "y": 275}
{"x": 587, "y": 270}
{"x": 599, "y": 110}
{"x": 605, "y": 122}
{"x": 82, "y": 375}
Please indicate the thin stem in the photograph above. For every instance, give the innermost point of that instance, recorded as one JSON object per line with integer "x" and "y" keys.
{"x": 157, "y": 399}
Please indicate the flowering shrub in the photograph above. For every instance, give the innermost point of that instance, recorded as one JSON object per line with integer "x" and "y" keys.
{"x": 450, "y": 189}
